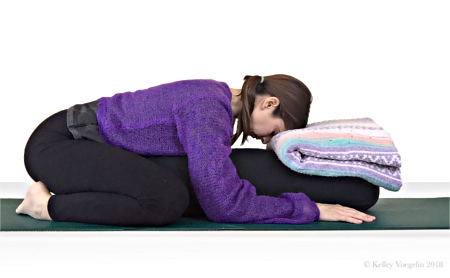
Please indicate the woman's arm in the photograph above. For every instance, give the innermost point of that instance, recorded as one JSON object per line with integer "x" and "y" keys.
{"x": 205, "y": 128}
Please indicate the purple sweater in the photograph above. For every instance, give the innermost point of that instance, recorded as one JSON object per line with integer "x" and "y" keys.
{"x": 194, "y": 118}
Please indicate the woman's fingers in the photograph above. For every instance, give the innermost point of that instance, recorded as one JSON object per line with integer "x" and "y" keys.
{"x": 357, "y": 215}
{"x": 330, "y": 212}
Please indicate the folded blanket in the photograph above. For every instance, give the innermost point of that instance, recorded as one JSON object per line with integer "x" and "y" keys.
{"x": 349, "y": 147}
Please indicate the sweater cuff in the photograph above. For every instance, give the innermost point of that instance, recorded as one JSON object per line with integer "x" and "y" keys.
{"x": 305, "y": 210}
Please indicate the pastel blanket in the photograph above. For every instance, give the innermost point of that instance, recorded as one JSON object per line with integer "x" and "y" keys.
{"x": 349, "y": 147}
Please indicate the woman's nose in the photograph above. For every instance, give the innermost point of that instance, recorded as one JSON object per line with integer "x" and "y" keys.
{"x": 266, "y": 139}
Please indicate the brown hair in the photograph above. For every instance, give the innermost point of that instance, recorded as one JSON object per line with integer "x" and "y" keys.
{"x": 295, "y": 101}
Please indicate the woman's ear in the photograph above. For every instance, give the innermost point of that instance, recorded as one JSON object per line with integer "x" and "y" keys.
{"x": 271, "y": 102}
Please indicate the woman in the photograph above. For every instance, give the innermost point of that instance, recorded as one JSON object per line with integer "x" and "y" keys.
{"x": 114, "y": 161}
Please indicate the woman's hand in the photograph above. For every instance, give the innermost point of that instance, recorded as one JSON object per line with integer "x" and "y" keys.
{"x": 330, "y": 212}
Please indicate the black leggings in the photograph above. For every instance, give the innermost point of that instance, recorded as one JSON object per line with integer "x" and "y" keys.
{"x": 101, "y": 184}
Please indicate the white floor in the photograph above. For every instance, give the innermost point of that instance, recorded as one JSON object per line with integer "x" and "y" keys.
{"x": 230, "y": 254}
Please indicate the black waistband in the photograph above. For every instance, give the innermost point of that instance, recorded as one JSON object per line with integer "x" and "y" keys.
{"x": 82, "y": 121}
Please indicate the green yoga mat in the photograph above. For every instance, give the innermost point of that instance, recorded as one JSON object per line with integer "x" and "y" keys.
{"x": 392, "y": 214}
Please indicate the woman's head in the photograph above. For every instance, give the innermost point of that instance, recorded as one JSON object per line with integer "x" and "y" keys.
{"x": 272, "y": 104}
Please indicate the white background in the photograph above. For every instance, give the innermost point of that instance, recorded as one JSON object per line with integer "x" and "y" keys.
{"x": 388, "y": 60}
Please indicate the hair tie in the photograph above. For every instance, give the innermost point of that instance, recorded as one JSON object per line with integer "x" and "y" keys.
{"x": 262, "y": 80}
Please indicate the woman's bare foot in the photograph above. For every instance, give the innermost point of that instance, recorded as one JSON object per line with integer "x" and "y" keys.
{"x": 35, "y": 202}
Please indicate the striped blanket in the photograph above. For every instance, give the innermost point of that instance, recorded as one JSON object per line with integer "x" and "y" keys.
{"x": 348, "y": 147}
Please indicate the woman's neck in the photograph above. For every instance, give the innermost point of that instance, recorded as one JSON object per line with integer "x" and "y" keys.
{"x": 236, "y": 103}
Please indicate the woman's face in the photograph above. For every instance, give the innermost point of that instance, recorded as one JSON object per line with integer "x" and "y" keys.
{"x": 263, "y": 125}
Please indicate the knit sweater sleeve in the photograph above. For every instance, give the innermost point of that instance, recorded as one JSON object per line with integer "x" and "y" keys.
{"x": 204, "y": 128}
